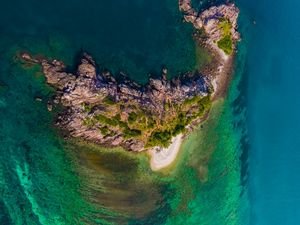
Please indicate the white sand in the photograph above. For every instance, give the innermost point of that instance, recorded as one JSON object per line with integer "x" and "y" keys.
{"x": 163, "y": 157}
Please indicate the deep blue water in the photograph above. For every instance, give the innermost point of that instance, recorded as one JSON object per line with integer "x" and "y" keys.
{"x": 273, "y": 107}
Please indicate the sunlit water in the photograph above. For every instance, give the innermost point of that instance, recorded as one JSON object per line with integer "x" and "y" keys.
{"x": 46, "y": 180}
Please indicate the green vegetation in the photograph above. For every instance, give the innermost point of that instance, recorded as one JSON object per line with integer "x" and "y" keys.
{"x": 204, "y": 104}
{"x": 190, "y": 101}
{"x": 159, "y": 138}
{"x": 155, "y": 130}
{"x": 108, "y": 100}
{"x": 105, "y": 120}
{"x": 225, "y": 25}
{"x": 89, "y": 122}
{"x": 104, "y": 130}
{"x": 132, "y": 117}
{"x": 178, "y": 129}
{"x": 116, "y": 121}
{"x": 177, "y": 124}
{"x": 87, "y": 108}
{"x": 129, "y": 133}
{"x": 150, "y": 123}
{"x": 225, "y": 43}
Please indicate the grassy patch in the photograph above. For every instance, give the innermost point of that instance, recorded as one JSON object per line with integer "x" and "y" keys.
{"x": 225, "y": 43}
{"x": 106, "y": 121}
{"x": 190, "y": 101}
{"x": 132, "y": 117}
{"x": 130, "y": 133}
{"x": 89, "y": 122}
{"x": 225, "y": 25}
{"x": 104, "y": 130}
{"x": 87, "y": 108}
{"x": 154, "y": 130}
{"x": 162, "y": 136}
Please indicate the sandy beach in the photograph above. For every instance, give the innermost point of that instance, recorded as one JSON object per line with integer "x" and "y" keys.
{"x": 218, "y": 70}
{"x": 163, "y": 157}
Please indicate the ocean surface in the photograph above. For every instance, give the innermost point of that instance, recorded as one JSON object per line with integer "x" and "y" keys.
{"x": 240, "y": 167}
{"x": 272, "y": 76}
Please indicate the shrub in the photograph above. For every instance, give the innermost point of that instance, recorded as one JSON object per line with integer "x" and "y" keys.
{"x": 179, "y": 128}
{"x": 190, "y": 101}
{"x": 86, "y": 107}
{"x": 89, "y": 122}
{"x": 105, "y": 120}
{"x": 150, "y": 123}
{"x": 225, "y": 44}
{"x": 160, "y": 138}
{"x": 132, "y": 117}
{"x": 129, "y": 133}
{"x": 225, "y": 25}
{"x": 104, "y": 130}
{"x": 108, "y": 100}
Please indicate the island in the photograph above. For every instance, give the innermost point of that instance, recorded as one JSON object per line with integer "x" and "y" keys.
{"x": 154, "y": 117}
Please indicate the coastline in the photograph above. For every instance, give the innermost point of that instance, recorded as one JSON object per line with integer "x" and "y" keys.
{"x": 166, "y": 156}
{"x": 58, "y": 178}
{"x": 90, "y": 96}
{"x": 220, "y": 79}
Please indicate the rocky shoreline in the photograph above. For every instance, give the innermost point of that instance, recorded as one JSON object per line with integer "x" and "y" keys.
{"x": 87, "y": 88}
{"x": 210, "y": 22}
{"x": 114, "y": 113}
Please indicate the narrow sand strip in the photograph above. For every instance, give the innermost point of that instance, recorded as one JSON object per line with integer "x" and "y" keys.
{"x": 163, "y": 157}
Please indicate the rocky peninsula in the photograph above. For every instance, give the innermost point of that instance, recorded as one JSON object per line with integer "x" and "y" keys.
{"x": 155, "y": 116}
{"x": 219, "y": 35}
{"x": 219, "y": 24}
{"x": 123, "y": 113}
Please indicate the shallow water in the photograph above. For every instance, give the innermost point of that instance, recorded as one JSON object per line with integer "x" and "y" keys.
{"x": 46, "y": 180}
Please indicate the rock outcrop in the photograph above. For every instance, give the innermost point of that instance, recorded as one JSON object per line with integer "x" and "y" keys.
{"x": 114, "y": 113}
{"x": 210, "y": 21}
{"x": 87, "y": 95}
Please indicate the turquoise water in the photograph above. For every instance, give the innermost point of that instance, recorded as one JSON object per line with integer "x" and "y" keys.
{"x": 272, "y": 74}
{"x": 45, "y": 179}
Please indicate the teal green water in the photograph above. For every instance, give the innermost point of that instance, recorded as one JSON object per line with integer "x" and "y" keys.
{"x": 136, "y": 37}
{"x": 47, "y": 180}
